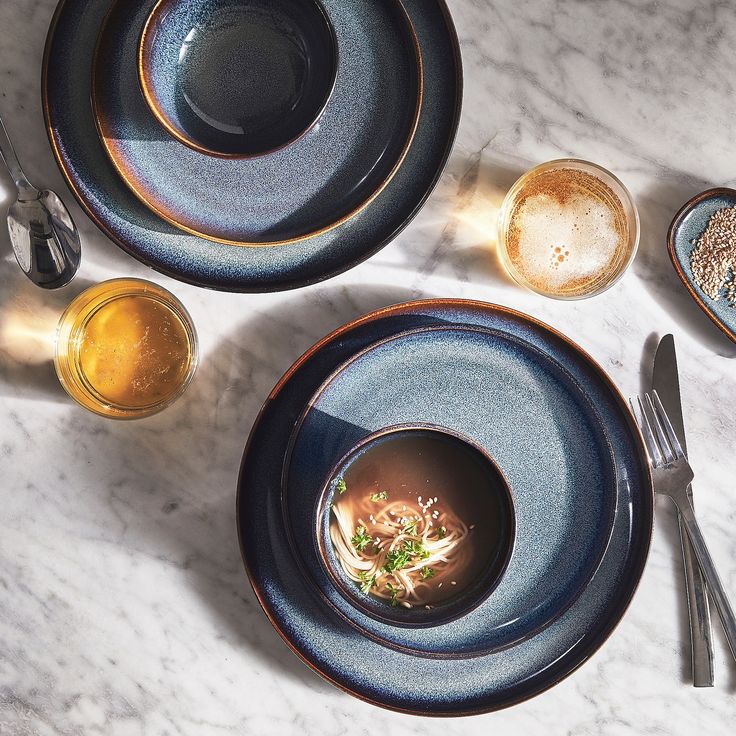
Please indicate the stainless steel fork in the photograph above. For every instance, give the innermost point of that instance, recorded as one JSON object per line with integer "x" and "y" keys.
{"x": 672, "y": 474}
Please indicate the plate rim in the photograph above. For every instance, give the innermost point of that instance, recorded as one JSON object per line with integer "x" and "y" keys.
{"x": 329, "y": 380}
{"x": 292, "y": 281}
{"x": 161, "y": 212}
{"x": 648, "y": 492}
{"x": 688, "y": 207}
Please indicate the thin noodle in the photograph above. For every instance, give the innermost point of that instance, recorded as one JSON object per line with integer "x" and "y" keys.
{"x": 385, "y": 524}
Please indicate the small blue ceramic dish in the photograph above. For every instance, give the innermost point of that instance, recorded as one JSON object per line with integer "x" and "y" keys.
{"x": 416, "y": 460}
{"x": 237, "y": 79}
{"x": 687, "y": 226}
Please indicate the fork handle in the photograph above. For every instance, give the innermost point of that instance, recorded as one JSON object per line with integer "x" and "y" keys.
{"x": 715, "y": 587}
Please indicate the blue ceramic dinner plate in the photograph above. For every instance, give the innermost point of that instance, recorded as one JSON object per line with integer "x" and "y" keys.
{"x": 148, "y": 237}
{"x": 564, "y": 385}
{"x": 302, "y": 189}
{"x": 687, "y": 226}
{"x": 520, "y": 406}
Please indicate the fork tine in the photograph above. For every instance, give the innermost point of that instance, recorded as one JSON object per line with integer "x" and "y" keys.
{"x": 655, "y": 456}
{"x": 664, "y": 444}
{"x": 665, "y": 420}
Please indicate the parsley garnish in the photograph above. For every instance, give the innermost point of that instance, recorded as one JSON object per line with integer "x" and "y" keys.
{"x": 394, "y": 592}
{"x": 441, "y": 532}
{"x": 411, "y": 526}
{"x": 366, "y": 582}
{"x": 416, "y": 549}
{"x": 395, "y": 560}
{"x": 361, "y": 538}
{"x": 427, "y": 573}
{"x": 341, "y": 486}
{"x": 380, "y": 496}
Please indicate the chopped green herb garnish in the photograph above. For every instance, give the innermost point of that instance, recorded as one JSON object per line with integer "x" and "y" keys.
{"x": 367, "y": 582}
{"x": 395, "y": 560}
{"x": 441, "y": 532}
{"x": 361, "y": 539}
{"x": 380, "y": 496}
{"x": 427, "y": 573}
{"x": 411, "y": 526}
{"x": 416, "y": 549}
{"x": 341, "y": 486}
{"x": 394, "y": 592}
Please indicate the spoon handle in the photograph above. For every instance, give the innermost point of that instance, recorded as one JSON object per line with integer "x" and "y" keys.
{"x": 26, "y": 190}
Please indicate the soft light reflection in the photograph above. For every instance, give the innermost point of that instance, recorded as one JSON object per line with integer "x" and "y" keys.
{"x": 480, "y": 217}
{"x": 28, "y": 336}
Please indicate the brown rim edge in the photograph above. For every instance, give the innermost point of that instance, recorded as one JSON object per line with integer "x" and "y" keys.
{"x": 397, "y": 309}
{"x": 676, "y": 220}
{"x": 169, "y": 216}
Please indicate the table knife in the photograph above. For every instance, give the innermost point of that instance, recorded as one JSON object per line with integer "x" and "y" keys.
{"x": 666, "y": 382}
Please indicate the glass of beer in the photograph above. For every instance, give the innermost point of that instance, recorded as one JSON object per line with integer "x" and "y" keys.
{"x": 125, "y": 349}
{"x": 568, "y": 229}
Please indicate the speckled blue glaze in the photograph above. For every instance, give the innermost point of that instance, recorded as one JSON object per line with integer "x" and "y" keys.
{"x": 453, "y": 686}
{"x": 297, "y": 190}
{"x": 688, "y": 225}
{"x": 144, "y": 235}
{"x": 523, "y": 409}
{"x": 235, "y": 78}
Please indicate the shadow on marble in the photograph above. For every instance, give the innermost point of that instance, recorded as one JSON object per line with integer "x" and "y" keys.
{"x": 463, "y": 210}
{"x": 28, "y": 319}
{"x": 657, "y": 206}
{"x": 178, "y": 470}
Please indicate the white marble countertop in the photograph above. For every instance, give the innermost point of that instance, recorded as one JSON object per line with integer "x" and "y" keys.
{"x": 124, "y": 608}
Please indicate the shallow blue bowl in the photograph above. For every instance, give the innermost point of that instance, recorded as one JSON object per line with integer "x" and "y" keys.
{"x": 237, "y": 79}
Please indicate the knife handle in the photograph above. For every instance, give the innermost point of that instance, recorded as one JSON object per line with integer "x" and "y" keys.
{"x": 699, "y": 613}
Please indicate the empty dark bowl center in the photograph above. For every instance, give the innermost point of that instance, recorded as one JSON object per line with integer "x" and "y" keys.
{"x": 248, "y": 77}
{"x": 480, "y": 495}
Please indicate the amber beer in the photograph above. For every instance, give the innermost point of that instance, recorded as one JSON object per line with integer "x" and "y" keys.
{"x": 125, "y": 348}
{"x": 568, "y": 229}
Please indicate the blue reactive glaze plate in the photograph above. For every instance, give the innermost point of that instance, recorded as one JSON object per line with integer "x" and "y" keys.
{"x": 688, "y": 225}
{"x": 398, "y": 679}
{"x": 305, "y": 188}
{"x": 520, "y": 406}
{"x": 148, "y": 237}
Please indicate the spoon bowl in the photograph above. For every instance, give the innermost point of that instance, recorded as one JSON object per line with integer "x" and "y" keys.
{"x": 45, "y": 240}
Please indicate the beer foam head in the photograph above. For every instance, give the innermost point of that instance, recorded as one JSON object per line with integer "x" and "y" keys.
{"x": 567, "y": 231}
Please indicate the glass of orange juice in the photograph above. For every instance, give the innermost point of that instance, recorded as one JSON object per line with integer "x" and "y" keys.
{"x": 125, "y": 348}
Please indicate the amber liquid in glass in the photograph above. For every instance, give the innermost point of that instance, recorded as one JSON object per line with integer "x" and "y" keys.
{"x": 568, "y": 230}
{"x": 125, "y": 348}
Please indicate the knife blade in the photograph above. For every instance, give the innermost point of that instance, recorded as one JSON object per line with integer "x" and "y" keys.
{"x": 666, "y": 381}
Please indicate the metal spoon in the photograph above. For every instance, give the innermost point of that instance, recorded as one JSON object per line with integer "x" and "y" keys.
{"x": 44, "y": 237}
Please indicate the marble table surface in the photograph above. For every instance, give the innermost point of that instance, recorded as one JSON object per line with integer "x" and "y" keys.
{"x": 124, "y": 608}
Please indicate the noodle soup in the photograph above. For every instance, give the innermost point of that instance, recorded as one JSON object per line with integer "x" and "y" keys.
{"x": 420, "y": 524}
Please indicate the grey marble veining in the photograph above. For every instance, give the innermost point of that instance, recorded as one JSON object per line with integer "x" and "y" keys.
{"x": 124, "y": 608}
